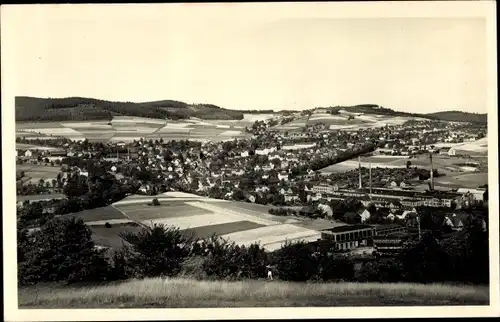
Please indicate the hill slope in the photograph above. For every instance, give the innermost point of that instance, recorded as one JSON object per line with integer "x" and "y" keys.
{"x": 79, "y": 108}
{"x": 458, "y": 116}
{"x": 188, "y": 293}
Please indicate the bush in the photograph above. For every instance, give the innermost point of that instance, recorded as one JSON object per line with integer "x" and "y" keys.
{"x": 156, "y": 251}
{"x": 227, "y": 260}
{"x": 107, "y": 225}
{"x": 61, "y": 251}
{"x": 296, "y": 261}
{"x": 156, "y": 202}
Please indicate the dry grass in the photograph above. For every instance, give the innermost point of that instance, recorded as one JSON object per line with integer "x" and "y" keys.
{"x": 187, "y": 293}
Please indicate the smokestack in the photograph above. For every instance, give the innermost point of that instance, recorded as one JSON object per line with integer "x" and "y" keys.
{"x": 370, "y": 173}
{"x": 359, "y": 166}
{"x": 432, "y": 171}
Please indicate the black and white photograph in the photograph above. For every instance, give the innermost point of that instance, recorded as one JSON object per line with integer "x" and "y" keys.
{"x": 251, "y": 158}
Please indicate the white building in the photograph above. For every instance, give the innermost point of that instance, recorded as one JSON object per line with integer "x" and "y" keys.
{"x": 477, "y": 194}
{"x": 328, "y": 189}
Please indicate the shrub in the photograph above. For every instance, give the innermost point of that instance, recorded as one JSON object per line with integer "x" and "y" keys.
{"x": 107, "y": 225}
{"x": 295, "y": 261}
{"x": 156, "y": 251}
{"x": 62, "y": 250}
{"x": 156, "y": 202}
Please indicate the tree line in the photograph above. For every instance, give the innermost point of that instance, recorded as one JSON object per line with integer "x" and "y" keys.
{"x": 78, "y": 109}
{"x": 63, "y": 251}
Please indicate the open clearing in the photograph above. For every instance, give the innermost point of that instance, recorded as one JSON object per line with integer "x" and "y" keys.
{"x": 237, "y": 221}
{"x": 24, "y": 146}
{"x": 187, "y": 293}
{"x": 97, "y": 214}
{"x": 271, "y": 234}
{"x": 221, "y": 229}
{"x": 465, "y": 180}
{"x": 109, "y": 237}
{"x": 37, "y": 172}
{"x": 127, "y": 129}
{"x": 444, "y": 164}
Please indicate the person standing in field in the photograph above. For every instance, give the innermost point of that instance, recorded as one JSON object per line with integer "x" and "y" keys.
{"x": 269, "y": 272}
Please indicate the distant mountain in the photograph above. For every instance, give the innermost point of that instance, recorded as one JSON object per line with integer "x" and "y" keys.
{"x": 457, "y": 116}
{"x": 35, "y": 109}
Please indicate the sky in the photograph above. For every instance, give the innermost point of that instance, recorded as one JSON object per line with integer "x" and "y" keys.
{"x": 250, "y": 57}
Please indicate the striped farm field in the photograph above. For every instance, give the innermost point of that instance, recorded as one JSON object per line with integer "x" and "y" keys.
{"x": 195, "y": 221}
{"x": 109, "y": 237}
{"x": 221, "y": 229}
{"x": 98, "y": 214}
{"x": 239, "y": 222}
{"x": 271, "y": 234}
{"x": 162, "y": 212}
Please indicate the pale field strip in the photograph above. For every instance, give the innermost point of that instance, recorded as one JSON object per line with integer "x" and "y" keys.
{"x": 241, "y": 215}
{"x": 480, "y": 145}
{"x": 54, "y": 131}
{"x": 135, "y": 129}
{"x": 33, "y": 147}
{"x": 111, "y": 221}
{"x": 325, "y": 116}
{"x": 257, "y": 117}
{"x": 298, "y": 146}
{"x": 198, "y": 122}
{"x": 275, "y": 246}
{"x": 125, "y": 138}
{"x": 133, "y": 119}
{"x": 270, "y": 239}
{"x": 230, "y": 133}
{"x": 86, "y": 125}
{"x": 337, "y": 127}
{"x": 195, "y": 221}
{"x": 222, "y": 126}
{"x": 269, "y": 234}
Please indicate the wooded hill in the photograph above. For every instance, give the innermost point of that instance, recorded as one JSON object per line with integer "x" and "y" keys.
{"x": 455, "y": 116}
{"x": 458, "y": 116}
{"x": 35, "y": 109}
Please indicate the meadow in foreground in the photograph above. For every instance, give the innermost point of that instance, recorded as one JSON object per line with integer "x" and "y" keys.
{"x": 186, "y": 293}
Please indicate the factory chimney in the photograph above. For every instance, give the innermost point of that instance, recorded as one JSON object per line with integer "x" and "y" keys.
{"x": 370, "y": 173}
{"x": 359, "y": 166}
{"x": 432, "y": 172}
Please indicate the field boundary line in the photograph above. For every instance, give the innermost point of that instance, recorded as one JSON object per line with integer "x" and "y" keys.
{"x": 130, "y": 218}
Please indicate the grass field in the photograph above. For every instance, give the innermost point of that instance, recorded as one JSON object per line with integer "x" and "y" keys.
{"x": 164, "y": 211}
{"x": 221, "y": 229}
{"x": 37, "y": 172}
{"x": 109, "y": 237}
{"x": 465, "y": 180}
{"x": 241, "y": 222}
{"x": 103, "y": 213}
{"x": 25, "y": 146}
{"x": 186, "y": 293}
{"x": 444, "y": 164}
{"x": 134, "y": 128}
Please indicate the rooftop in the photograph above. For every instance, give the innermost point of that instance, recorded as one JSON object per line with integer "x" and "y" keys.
{"x": 346, "y": 228}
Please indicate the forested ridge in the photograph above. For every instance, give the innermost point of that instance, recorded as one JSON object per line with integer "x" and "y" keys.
{"x": 35, "y": 109}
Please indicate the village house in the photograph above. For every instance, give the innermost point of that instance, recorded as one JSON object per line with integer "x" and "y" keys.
{"x": 283, "y": 176}
{"x": 452, "y": 152}
{"x": 365, "y": 215}
{"x": 457, "y": 220}
{"x": 474, "y": 194}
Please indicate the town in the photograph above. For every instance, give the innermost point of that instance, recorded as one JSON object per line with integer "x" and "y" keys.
{"x": 283, "y": 169}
